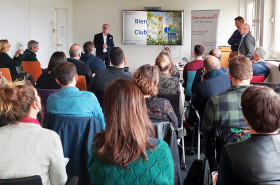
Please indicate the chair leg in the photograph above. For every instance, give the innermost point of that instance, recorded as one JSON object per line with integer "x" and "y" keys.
{"x": 191, "y": 151}
{"x": 183, "y": 161}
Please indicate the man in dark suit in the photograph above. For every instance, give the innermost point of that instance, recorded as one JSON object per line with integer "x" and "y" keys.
{"x": 247, "y": 44}
{"x": 235, "y": 38}
{"x": 82, "y": 68}
{"x": 103, "y": 43}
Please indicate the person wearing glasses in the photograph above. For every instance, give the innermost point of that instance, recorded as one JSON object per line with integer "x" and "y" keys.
{"x": 247, "y": 44}
{"x": 104, "y": 43}
{"x": 6, "y": 61}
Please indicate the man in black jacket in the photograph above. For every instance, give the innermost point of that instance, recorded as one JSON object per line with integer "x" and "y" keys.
{"x": 30, "y": 53}
{"x": 104, "y": 78}
{"x": 103, "y": 43}
{"x": 82, "y": 68}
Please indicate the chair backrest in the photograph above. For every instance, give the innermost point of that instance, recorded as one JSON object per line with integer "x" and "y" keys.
{"x": 191, "y": 75}
{"x": 275, "y": 86}
{"x": 81, "y": 83}
{"x": 175, "y": 102}
{"x": 32, "y": 67}
{"x": 6, "y": 73}
{"x": 258, "y": 79}
{"x": 32, "y": 180}
{"x": 76, "y": 134}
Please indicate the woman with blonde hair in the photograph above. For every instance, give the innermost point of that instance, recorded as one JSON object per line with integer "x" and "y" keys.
{"x": 125, "y": 153}
{"x": 6, "y": 61}
{"x": 27, "y": 148}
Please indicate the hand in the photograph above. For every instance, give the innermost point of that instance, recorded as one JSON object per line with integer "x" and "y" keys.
{"x": 20, "y": 52}
{"x": 215, "y": 178}
{"x": 104, "y": 46}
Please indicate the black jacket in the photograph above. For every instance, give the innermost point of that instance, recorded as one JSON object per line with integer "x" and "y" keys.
{"x": 253, "y": 161}
{"x": 7, "y": 62}
{"x": 82, "y": 69}
{"x": 99, "y": 41}
{"x": 29, "y": 56}
{"x": 103, "y": 78}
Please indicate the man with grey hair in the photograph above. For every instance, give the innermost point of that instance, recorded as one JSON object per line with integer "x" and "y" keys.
{"x": 213, "y": 81}
{"x": 82, "y": 68}
{"x": 30, "y": 53}
{"x": 259, "y": 66}
{"x": 247, "y": 43}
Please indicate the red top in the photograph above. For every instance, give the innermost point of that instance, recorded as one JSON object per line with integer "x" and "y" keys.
{"x": 192, "y": 66}
{"x": 30, "y": 120}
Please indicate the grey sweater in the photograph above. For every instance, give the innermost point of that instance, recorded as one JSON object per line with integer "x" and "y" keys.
{"x": 27, "y": 149}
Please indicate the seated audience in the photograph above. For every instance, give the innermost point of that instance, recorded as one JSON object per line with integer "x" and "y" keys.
{"x": 216, "y": 53}
{"x": 159, "y": 109}
{"x": 213, "y": 81}
{"x": 69, "y": 100}
{"x": 27, "y": 148}
{"x": 223, "y": 110}
{"x": 94, "y": 62}
{"x": 82, "y": 68}
{"x": 104, "y": 78}
{"x": 259, "y": 65}
{"x": 167, "y": 83}
{"x": 126, "y": 153}
{"x": 7, "y": 62}
{"x": 47, "y": 79}
{"x": 173, "y": 70}
{"x": 255, "y": 160}
{"x": 195, "y": 64}
{"x": 30, "y": 53}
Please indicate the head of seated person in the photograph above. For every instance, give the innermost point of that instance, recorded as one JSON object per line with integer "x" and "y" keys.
{"x": 216, "y": 53}
{"x": 66, "y": 74}
{"x": 19, "y": 100}
{"x": 33, "y": 46}
{"x": 117, "y": 57}
{"x": 240, "y": 70}
{"x": 56, "y": 58}
{"x": 165, "y": 63}
{"x": 198, "y": 52}
{"x": 88, "y": 48}
{"x": 211, "y": 67}
{"x": 75, "y": 51}
{"x": 260, "y": 107}
{"x": 126, "y": 145}
{"x": 147, "y": 78}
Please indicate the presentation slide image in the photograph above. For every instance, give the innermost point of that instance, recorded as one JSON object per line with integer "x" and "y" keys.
{"x": 135, "y": 27}
{"x": 164, "y": 28}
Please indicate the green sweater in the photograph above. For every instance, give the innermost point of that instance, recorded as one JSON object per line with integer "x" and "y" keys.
{"x": 158, "y": 169}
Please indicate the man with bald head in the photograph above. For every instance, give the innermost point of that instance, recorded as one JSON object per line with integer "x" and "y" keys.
{"x": 247, "y": 44}
{"x": 214, "y": 52}
{"x": 82, "y": 68}
{"x": 213, "y": 81}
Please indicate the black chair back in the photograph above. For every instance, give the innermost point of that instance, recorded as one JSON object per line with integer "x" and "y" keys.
{"x": 33, "y": 180}
{"x": 275, "y": 86}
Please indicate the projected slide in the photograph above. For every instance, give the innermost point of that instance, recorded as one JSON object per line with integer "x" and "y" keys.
{"x": 152, "y": 27}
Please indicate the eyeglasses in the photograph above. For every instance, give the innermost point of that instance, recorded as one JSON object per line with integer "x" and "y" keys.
{"x": 242, "y": 28}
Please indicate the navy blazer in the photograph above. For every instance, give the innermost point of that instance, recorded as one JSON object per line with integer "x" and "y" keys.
{"x": 99, "y": 41}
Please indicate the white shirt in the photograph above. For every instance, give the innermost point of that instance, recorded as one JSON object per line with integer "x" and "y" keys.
{"x": 105, "y": 42}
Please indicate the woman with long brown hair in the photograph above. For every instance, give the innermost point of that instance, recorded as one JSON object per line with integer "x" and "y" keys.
{"x": 125, "y": 153}
{"x": 27, "y": 149}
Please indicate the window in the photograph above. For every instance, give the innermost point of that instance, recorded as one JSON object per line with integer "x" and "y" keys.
{"x": 276, "y": 38}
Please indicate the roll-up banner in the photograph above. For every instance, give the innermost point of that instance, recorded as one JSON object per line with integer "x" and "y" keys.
{"x": 204, "y": 29}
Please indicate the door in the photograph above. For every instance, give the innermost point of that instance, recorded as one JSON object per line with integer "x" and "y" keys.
{"x": 61, "y": 30}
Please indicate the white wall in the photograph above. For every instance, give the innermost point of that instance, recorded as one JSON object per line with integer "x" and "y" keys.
{"x": 24, "y": 20}
{"x": 89, "y": 15}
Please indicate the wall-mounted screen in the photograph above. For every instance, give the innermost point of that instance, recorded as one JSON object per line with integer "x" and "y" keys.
{"x": 153, "y": 27}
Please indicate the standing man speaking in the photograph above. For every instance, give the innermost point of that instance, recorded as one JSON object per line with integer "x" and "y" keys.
{"x": 236, "y": 37}
{"x": 103, "y": 43}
